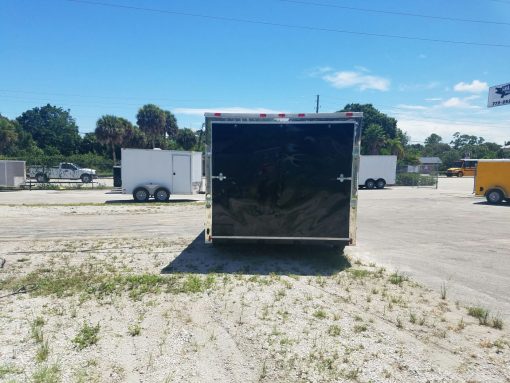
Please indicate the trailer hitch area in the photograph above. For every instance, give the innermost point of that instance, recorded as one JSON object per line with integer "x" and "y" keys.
{"x": 341, "y": 178}
{"x": 220, "y": 177}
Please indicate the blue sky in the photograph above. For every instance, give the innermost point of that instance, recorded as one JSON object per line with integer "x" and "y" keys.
{"x": 267, "y": 55}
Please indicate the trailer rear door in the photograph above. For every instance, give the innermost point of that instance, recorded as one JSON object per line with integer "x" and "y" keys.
{"x": 281, "y": 180}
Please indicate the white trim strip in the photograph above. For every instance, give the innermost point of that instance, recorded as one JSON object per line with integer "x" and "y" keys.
{"x": 283, "y": 238}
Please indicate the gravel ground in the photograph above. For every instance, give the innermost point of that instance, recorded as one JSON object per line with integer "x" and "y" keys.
{"x": 130, "y": 293}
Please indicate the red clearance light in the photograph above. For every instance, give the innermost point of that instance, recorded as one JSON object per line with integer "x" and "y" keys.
{"x": 263, "y": 115}
{"x": 281, "y": 115}
{"x": 217, "y": 114}
{"x": 349, "y": 114}
{"x": 301, "y": 115}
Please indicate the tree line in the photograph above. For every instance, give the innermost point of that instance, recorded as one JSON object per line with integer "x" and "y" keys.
{"x": 50, "y": 131}
{"x": 47, "y": 133}
{"x": 380, "y": 135}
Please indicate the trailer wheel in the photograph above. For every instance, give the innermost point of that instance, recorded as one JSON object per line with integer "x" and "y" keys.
{"x": 41, "y": 178}
{"x": 86, "y": 178}
{"x": 141, "y": 195}
{"x": 460, "y": 174}
{"x": 494, "y": 196}
{"x": 380, "y": 183}
{"x": 161, "y": 195}
{"x": 370, "y": 183}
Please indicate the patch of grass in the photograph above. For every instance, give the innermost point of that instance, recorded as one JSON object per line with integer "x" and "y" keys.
{"x": 47, "y": 374}
{"x": 359, "y": 273}
{"x": 36, "y": 329}
{"x": 90, "y": 281}
{"x": 443, "y": 290}
{"x": 397, "y": 279}
{"x": 135, "y": 329}
{"x": 7, "y": 369}
{"x": 480, "y": 313}
{"x": 360, "y": 328}
{"x": 42, "y": 352}
{"x": 320, "y": 314}
{"x": 334, "y": 330}
{"x": 87, "y": 336}
{"x": 497, "y": 323}
{"x": 412, "y": 318}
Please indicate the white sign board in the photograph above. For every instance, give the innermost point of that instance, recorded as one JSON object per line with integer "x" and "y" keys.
{"x": 499, "y": 95}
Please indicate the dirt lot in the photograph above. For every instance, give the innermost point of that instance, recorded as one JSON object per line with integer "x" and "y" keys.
{"x": 121, "y": 292}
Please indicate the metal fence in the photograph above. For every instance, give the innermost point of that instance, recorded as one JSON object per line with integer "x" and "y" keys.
{"x": 418, "y": 175}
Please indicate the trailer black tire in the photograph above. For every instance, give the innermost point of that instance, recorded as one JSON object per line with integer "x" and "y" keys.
{"x": 161, "y": 195}
{"x": 370, "y": 183}
{"x": 380, "y": 183}
{"x": 86, "y": 178}
{"x": 494, "y": 196}
{"x": 141, "y": 194}
{"x": 41, "y": 178}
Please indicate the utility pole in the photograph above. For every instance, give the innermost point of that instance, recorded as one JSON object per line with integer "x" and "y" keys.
{"x": 317, "y": 106}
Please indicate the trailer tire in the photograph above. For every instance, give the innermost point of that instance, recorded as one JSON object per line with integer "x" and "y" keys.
{"x": 380, "y": 183}
{"x": 41, "y": 178}
{"x": 494, "y": 196}
{"x": 370, "y": 183}
{"x": 161, "y": 195}
{"x": 86, "y": 178}
{"x": 460, "y": 174}
{"x": 141, "y": 194}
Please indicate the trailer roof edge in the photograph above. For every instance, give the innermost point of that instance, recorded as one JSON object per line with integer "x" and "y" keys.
{"x": 286, "y": 115}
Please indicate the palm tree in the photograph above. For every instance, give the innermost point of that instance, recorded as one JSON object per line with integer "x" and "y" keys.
{"x": 396, "y": 148}
{"x": 151, "y": 119}
{"x": 373, "y": 139}
{"x": 110, "y": 131}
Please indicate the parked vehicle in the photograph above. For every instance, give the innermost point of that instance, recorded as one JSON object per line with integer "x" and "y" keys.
{"x": 12, "y": 173}
{"x": 280, "y": 178}
{"x": 65, "y": 170}
{"x": 377, "y": 171}
{"x": 159, "y": 173}
{"x": 492, "y": 180}
{"x": 465, "y": 167}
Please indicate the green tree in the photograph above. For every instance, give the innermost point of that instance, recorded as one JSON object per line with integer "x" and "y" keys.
{"x": 186, "y": 138}
{"x": 433, "y": 139}
{"x": 8, "y": 135}
{"x": 51, "y": 126}
{"x": 374, "y": 140}
{"x": 395, "y": 147}
{"x": 152, "y": 121}
{"x": 171, "y": 127}
{"x": 110, "y": 130}
{"x": 373, "y": 116}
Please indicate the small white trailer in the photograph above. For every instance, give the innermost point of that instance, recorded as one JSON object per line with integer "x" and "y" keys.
{"x": 12, "y": 173}
{"x": 377, "y": 171}
{"x": 159, "y": 173}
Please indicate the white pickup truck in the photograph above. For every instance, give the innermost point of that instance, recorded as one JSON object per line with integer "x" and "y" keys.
{"x": 64, "y": 170}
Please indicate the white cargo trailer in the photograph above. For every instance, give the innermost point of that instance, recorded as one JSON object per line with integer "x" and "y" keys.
{"x": 159, "y": 173}
{"x": 12, "y": 173}
{"x": 377, "y": 171}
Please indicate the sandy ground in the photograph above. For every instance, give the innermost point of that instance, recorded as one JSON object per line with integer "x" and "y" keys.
{"x": 169, "y": 308}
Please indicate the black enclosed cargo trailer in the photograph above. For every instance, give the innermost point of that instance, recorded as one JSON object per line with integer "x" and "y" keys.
{"x": 282, "y": 178}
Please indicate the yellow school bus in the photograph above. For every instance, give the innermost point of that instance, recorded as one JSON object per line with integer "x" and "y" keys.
{"x": 492, "y": 180}
{"x": 464, "y": 167}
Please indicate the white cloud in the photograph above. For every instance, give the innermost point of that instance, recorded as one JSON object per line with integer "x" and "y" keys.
{"x": 456, "y": 102}
{"x": 232, "y": 109}
{"x": 319, "y": 71}
{"x": 411, "y": 107}
{"x": 433, "y": 99}
{"x": 475, "y": 86}
{"x": 360, "y": 80}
